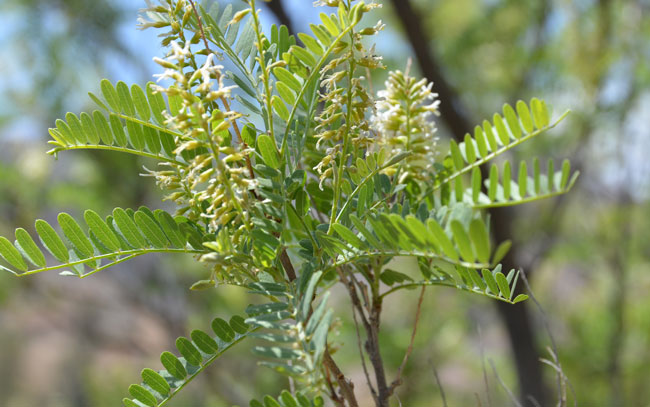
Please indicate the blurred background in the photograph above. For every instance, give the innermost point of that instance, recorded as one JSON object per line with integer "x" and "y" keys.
{"x": 69, "y": 342}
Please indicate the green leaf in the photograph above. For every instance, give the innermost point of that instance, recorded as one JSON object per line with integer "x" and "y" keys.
{"x": 443, "y": 240}
{"x": 287, "y": 78}
{"x": 32, "y": 252}
{"x": 520, "y": 298}
{"x": 110, "y": 94}
{"x": 11, "y": 254}
{"x": 390, "y": 277}
{"x": 151, "y": 230}
{"x": 287, "y": 399}
{"x": 157, "y": 103}
{"x": 316, "y": 316}
{"x": 566, "y": 171}
{"x": 238, "y": 325}
{"x": 118, "y": 130}
{"x": 456, "y": 155}
{"x": 470, "y": 152}
{"x": 52, "y": 241}
{"x": 155, "y": 381}
{"x": 481, "y": 240}
{"x": 170, "y": 227}
{"x": 173, "y": 365}
{"x": 88, "y": 128}
{"x": 203, "y": 285}
{"x": 223, "y": 330}
{"x": 524, "y": 115}
{"x": 277, "y": 352}
{"x": 102, "y": 231}
{"x": 126, "y": 103}
{"x": 348, "y": 236}
{"x": 462, "y": 241}
{"x": 204, "y": 342}
{"x": 489, "y": 280}
{"x": 103, "y": 128}
{"x": 269, "y": 151}
{"x": 512, "y": 120}
{"x": 540, "y": 113}
{"x": 501, "y": 251}
{"x": 502, "y": 282}
{"x": 307, "y": 298}
{"x": 280, "y": 108}
{"x": 523, "y": 179}
{"x": 142, "y": 395}
{"x": 129, "y": 230}
{"x": 476, "y": 184}
{"x": 75, "y": 128}
{"x": 189, "y": 351}
{"x": 130, "y": 403}
{"x": 286, "y": 93}
{"x": 75, "y": 235}
{"x": 507, "y": 177}
{"x": 140, "y": 102}
{"x": 481, "y": 143}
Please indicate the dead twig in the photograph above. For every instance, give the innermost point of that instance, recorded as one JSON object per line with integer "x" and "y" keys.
{"x": 398, "y": 378}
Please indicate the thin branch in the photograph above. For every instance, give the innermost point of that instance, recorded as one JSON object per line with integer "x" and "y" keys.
{"x": 505, "y": 387}
{"x": 362, "y": 355}
{"x": 485, "y": 376}
{"x": 439, "y": 383}
{"x": 333, "y": 396}
{"x": 561, "y": 377}
{"x": 346, "y": 386}
{"x": 398, "y": 378}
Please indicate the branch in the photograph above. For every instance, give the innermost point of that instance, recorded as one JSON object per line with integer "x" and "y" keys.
{"x": 347, "y": 388}
{"x": 398, "y": 379}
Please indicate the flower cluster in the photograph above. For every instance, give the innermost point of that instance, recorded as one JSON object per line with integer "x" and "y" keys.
{"x": 214, "y": 184}
{"x": 346, "y": 101}
{"x": 404, "y": 122}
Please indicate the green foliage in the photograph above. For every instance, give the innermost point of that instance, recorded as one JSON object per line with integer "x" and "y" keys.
{"x": 286, "y": 399}
{"x": 122, "y": 236}
{"x": 307, "y": 181}
{"x": 199, "y": 352}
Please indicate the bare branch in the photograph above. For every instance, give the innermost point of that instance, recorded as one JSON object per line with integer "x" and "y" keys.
{"x": 346, "y": 386}
{"x": 362, "y": 355}
{"x": 505, "y": 387}
{"x": 398, "y": 379}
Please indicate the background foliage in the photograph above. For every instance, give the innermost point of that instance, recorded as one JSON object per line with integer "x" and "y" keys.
{"x": 587, "y": 253}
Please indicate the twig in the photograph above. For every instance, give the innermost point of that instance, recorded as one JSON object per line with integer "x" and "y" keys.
{"x": 512, "y": 396}
{"x": 398, "y": 378}
{"x": 561, "y": 377}
{"x": 346, "y": 386}
{"x": 485, "y": 376}
{"x": 439, "y": 383}
{"x": 362, "y": 354}
{"x": 333, "y": 396}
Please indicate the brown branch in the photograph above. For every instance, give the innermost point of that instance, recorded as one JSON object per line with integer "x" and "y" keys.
{"x": 361, "y": 354}
{"x": 398, "y": 378}
{"x": 346, "y": 386}
{"x": 333, "y": 396}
